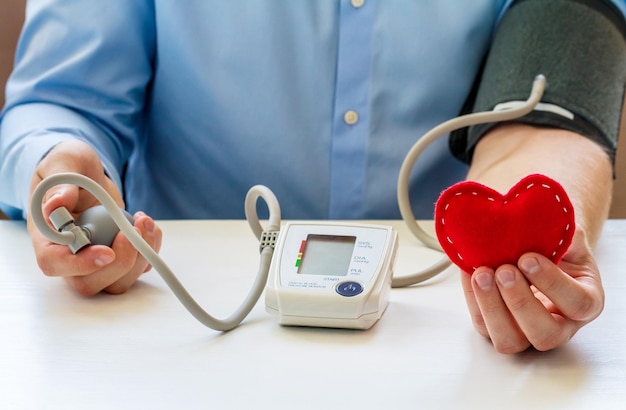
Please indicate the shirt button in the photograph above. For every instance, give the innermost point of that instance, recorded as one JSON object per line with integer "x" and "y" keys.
{"x": 357, "y": 3}
{"x": 351, "y": 117}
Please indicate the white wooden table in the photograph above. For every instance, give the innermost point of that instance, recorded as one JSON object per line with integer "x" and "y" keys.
{"x": 143, "y": 350}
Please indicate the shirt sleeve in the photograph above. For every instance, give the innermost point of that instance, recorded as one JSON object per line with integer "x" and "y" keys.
{"x": 82, "y": 71}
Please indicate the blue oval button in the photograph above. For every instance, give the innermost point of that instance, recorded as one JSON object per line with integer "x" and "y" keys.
{"x": 349, "y": 288}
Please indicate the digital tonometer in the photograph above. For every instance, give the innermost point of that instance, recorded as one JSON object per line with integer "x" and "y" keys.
{"x": 320, "y": 274}
{"x": 331, "y": 275}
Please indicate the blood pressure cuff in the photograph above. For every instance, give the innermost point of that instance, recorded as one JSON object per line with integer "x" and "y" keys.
{"x": 579, "y": 46}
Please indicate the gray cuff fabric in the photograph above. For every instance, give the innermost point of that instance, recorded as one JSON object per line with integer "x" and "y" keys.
{"x": 579, "y": 46}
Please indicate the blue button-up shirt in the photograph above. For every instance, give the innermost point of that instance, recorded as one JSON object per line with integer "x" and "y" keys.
{"x": 191, "y": 103}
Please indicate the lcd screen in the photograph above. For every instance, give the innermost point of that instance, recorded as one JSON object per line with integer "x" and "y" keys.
{"x": 327, "y": 255}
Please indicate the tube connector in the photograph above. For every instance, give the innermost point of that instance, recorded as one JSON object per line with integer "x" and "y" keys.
{"x": 63, "y": 221}
{"x": 268, "y": 238}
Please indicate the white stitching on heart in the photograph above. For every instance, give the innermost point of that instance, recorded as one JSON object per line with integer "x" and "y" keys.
{"x": 532, "y": 184}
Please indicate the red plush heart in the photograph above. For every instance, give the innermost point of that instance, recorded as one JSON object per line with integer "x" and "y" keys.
{"x": 477, "y": 226}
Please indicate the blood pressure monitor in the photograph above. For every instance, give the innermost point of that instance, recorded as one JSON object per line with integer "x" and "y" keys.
{"x": 331, "y": 275}
{"x": 313, "y": 274}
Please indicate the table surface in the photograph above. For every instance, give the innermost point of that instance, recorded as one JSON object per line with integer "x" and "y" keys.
{"x": 144, "y": 350}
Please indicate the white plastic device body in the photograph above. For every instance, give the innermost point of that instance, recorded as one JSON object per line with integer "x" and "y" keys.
{"x": 331, "y": 274}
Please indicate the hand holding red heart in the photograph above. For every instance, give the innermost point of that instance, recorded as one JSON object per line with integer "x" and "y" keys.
{"x": 544, "y": 285}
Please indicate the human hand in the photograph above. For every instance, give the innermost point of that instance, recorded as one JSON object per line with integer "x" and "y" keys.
{"x": 536, "y": 303}
{"x": 95, "y": 268}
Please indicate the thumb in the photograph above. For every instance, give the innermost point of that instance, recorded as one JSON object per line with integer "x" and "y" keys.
{"x": 70, "y": 156}
{"x": 61, "y": 196}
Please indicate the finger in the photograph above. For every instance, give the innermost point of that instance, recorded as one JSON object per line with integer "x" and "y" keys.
{"x": 540, "y": 328}
{"x": 151, "y": 233}
{"x": 119, "y": 276}
{"x": 126, "y": 281}
{"x": 79, "y": 157}
{"x": 503, "y": 330}
{"x": 125, "y": 259}
{"x": 472, "y": 305}
{"x": 577, "y": 299}
{"x": 157, "y": 240}
{"x": 58, "y": 260}
{"x": 60, "y": 196}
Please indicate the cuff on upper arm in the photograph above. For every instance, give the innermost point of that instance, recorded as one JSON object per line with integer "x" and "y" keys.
{"x": 579, "y": 46}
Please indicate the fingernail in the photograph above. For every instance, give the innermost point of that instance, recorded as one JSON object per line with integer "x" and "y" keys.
{"x": 103, "y": 260}
{"x": 505, "y": 278}
{"x": 530, "y": 265}
{"x": 484, "y": 280}
{"x": 149, "y": 226}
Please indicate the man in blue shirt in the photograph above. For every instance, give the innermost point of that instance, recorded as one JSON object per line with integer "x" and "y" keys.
{"x": 178, "y": 110}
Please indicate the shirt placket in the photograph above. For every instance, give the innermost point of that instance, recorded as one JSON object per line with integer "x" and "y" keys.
{"x": 351, "y": 117}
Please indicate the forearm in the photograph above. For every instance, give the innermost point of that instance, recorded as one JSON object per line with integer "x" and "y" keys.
{"x": 509, "y": 152}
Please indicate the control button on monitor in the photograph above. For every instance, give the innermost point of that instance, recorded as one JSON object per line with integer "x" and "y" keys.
{"x": 349, "y": 288}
